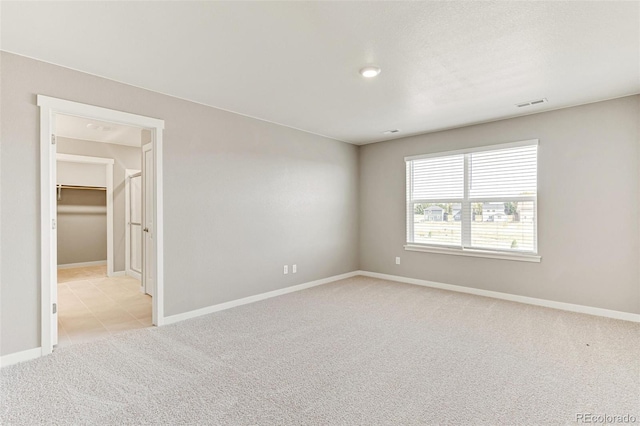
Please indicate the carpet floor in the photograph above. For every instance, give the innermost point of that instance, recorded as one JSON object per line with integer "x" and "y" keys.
{"x": 357, "y": 351}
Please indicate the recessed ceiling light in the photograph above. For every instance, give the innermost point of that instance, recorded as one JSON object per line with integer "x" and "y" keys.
{"x": 391, "y": 132}
{"x": 370, "y": 71}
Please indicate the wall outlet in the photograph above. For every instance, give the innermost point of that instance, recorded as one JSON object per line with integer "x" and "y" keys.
{"x": 286, "y": 269}
{"x": 294, "y": 269}
{"x": 397, "y": 260}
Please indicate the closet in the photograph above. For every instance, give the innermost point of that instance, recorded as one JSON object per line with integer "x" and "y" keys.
{"x": 81, "y": 195}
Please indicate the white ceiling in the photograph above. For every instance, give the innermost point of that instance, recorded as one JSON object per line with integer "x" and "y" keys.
{"x": 69, "y": 126}
{"x": 444, "y": 64}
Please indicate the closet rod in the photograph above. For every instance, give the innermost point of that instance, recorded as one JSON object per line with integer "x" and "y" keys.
{"x": 93, "y": 188}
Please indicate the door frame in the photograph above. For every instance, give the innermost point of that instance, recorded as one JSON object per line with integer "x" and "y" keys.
{"x": 146, "y": 288}
{"x": 128, "y": 174}
{"x": 49, "y": 107}
{"x": 108, "y": 169}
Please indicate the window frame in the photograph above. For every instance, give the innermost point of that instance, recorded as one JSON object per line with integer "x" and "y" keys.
{"x": 465, "y": 248}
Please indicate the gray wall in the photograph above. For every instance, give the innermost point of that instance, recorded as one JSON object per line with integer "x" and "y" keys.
{"x": 82, "y": 226}
{"x": 125, "y": 157}
{"x": 242, "y": 197}
{"x": 587, "y": 208}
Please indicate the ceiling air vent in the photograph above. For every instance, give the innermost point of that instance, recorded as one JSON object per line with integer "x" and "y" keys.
{"x": 536, "y": 102}
{"x": 391, "y": 132}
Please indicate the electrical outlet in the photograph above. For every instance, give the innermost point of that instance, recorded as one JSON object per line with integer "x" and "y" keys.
{"x": 294, "y": 269}
{"x": 286, "y": 269}
{"x": 397, "y": 260}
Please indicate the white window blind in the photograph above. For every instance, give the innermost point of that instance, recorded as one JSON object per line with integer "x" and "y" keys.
{"x": 438, "y": 178}
{"x": 503, "y": 173}
{"x": 481, "y": 199}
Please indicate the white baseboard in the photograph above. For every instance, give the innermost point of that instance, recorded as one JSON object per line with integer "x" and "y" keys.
{"x": 82, "y": 264}
{"x": 232, "y": 304}
{"x": 118, "y": 274}
{"x": 134, "y": 274}
{"x": 30, "y": 354}
{"x": 589, "y": 310}
{"x": 21, "y": 356}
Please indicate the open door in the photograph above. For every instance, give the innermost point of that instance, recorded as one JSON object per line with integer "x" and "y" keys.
{"x": 148, "y": 228}
{"x": 133, "y": 218}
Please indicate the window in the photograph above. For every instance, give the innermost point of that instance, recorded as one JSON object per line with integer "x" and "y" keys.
{"x": 478, "y": 201}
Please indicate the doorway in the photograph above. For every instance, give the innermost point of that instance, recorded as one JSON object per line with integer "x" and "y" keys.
{"x": 84, "y": 197}
{"x": 150, "y": 269}
{"x": 95, "y": 296}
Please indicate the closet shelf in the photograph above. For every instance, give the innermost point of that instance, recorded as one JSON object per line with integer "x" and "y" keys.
{"x": 79, "y": 209}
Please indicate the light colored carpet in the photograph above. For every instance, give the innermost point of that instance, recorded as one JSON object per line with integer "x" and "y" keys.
{"x": 358, "y": 351}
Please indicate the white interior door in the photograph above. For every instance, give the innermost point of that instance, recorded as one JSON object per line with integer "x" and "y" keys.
{"x": 134, "y": 237}
{"x": 53, "y": 272}
{"x": 148, "y": 228}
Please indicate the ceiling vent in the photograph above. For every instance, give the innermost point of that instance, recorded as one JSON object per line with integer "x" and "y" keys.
{"x": 536, "y": 102}
{"x": 391, "y": 132}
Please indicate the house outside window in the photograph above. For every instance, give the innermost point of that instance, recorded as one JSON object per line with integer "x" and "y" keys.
{"x": 480, "y": 200}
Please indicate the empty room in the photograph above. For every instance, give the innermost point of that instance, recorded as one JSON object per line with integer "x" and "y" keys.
{"x": 292, "y": 213}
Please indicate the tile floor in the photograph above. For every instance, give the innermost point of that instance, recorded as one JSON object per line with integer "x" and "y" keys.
{"x": 92, "y": 306}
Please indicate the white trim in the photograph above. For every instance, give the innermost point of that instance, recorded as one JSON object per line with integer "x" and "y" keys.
{"x": 82, "y": 264}
{"x": 530, "y": 142}
{"x": 409, "y": 206}
{"x": 22, "y": 356}
{"x": 522, "y": 257}
{"x": 535, "y": 202}
{"x": 110, "y": 245}
{"x": 108, "y": 163}
{"x": 14, "y": 358}
{"x": 134, "y": 274}
{"x": 72, "y": 158}
{"x": 589, "y": 310}
{"x": 258, "y": 297}
{"x": 158, "y": 183}
{"x": 91, "y": 111}
{"x": 48, "y": 251}
{"x": 119, "y": 274}
{"x": 466, "y": 214}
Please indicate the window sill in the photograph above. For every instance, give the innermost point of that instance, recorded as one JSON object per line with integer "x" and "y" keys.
{"x": 521, "y": 257}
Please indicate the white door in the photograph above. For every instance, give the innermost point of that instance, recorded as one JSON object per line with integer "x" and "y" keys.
{"x": 53, "y": 273}
{"x": 148, "y": 228}
{"x": 133, "y": 243}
